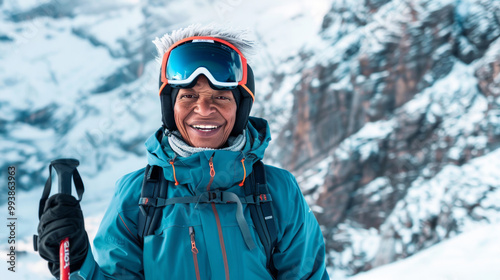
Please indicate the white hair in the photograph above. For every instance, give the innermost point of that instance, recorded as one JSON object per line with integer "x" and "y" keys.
{"x": 238, "y": 38}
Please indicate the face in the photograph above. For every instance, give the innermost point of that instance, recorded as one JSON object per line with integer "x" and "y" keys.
{"x": 204, "y": 116}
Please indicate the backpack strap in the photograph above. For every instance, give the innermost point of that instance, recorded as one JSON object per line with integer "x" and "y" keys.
{"x": 257, "y": 196}
{"x": 217, "y": 196}
{"x": 153, "y": 185}
{"x": 262, "y": 214}
{"x": 153, "y": 200}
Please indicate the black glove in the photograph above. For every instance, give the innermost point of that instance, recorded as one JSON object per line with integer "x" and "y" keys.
{"x": 62, "y": 217}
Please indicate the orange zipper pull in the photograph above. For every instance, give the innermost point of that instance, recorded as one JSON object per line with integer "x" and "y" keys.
{"x": 193, "y": 242}
{"x": 173, "y": 168}
{"x": 244, "y": 172}
{"x": 212, "y": 170}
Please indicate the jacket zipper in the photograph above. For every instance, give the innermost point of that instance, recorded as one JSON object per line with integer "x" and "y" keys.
{"x": 219, "y": 227}
{"x": 195, "y": 252}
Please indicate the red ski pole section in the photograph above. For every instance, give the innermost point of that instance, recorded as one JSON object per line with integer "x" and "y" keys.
{"x": 64, "y": 259}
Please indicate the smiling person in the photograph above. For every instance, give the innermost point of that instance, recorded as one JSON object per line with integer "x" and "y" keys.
{"x": 205, "y": 207}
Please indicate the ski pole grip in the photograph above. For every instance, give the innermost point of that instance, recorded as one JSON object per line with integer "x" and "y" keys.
{"x": 65, "y": 167}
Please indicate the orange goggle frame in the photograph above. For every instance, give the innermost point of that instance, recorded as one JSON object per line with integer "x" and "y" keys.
{"x": 203, "y": 70}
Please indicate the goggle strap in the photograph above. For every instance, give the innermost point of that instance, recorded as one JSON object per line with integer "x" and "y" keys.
{"x": 162, "y": 86}
{"x": 249, "y": 91}
{"x": 243, "y": 86}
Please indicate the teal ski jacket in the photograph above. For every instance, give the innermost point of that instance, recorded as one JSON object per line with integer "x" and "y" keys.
{"x": 204, "y": 241}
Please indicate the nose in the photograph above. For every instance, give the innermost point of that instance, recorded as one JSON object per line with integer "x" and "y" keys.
{"x": 204, "y": 106}
{"x": 205, "y": 103}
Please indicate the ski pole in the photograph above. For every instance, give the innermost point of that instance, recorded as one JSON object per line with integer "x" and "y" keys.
{"x": 64, "y": 169}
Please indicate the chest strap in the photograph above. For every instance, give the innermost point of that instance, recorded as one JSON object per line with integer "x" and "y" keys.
{"x": 218, "y": 197}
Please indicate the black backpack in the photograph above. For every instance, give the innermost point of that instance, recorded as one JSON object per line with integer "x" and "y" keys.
{"x": 257, "y": 196}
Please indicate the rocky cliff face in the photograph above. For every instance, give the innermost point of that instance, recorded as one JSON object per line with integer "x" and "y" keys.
{"x": 395, "y": 92}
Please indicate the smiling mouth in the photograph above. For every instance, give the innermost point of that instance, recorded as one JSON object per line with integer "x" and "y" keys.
{"x": 205, "y": 128}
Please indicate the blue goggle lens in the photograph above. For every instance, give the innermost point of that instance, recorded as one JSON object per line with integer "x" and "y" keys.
{"x": 222, "y": 63}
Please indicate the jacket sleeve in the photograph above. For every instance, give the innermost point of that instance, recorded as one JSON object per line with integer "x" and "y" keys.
{"x": 300, "y": 252}
{"x": 117, "y": 252}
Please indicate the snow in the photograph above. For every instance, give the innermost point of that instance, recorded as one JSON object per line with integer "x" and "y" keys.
{"x": 27, "y": 132}
{"x": 492, "y": 53}
{"x": 379, "y": 129}
{"x": 365, "y": 244}
{"x": 454, "y": 186}
{"x": 312, "y": 178}
{"x": 58, "y": 72}
{"x": 471, "y": 255}
{"x": 365, "y": 140}
{"x": 456, "y": 101}
{"x": 110, "y": 28}
{"x": 376, "y": 185}
{"x": 15, "y": 5}
{"x": 283, "y": 27}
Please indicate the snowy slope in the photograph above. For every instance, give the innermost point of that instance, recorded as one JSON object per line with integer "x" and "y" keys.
{"x": 471, "y": 255}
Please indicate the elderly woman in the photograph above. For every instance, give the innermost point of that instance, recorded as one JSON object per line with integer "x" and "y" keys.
{"x": 196, "y": 217}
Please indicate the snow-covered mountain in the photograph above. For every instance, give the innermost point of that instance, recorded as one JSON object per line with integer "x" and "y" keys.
{"x": 386, "y": 111}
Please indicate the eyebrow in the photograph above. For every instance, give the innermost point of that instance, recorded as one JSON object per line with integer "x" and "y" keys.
{"x": 218, "y": 92}
{"x": 190, "y": 90}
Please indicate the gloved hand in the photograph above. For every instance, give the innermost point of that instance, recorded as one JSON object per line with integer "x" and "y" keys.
{"x": 62, "y": 217}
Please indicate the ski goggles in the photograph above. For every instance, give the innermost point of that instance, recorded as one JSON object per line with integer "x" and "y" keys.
{"x": 222, "y": 63}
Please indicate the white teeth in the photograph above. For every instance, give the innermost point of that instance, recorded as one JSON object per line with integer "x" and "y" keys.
{"x": 205, "y": 127}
